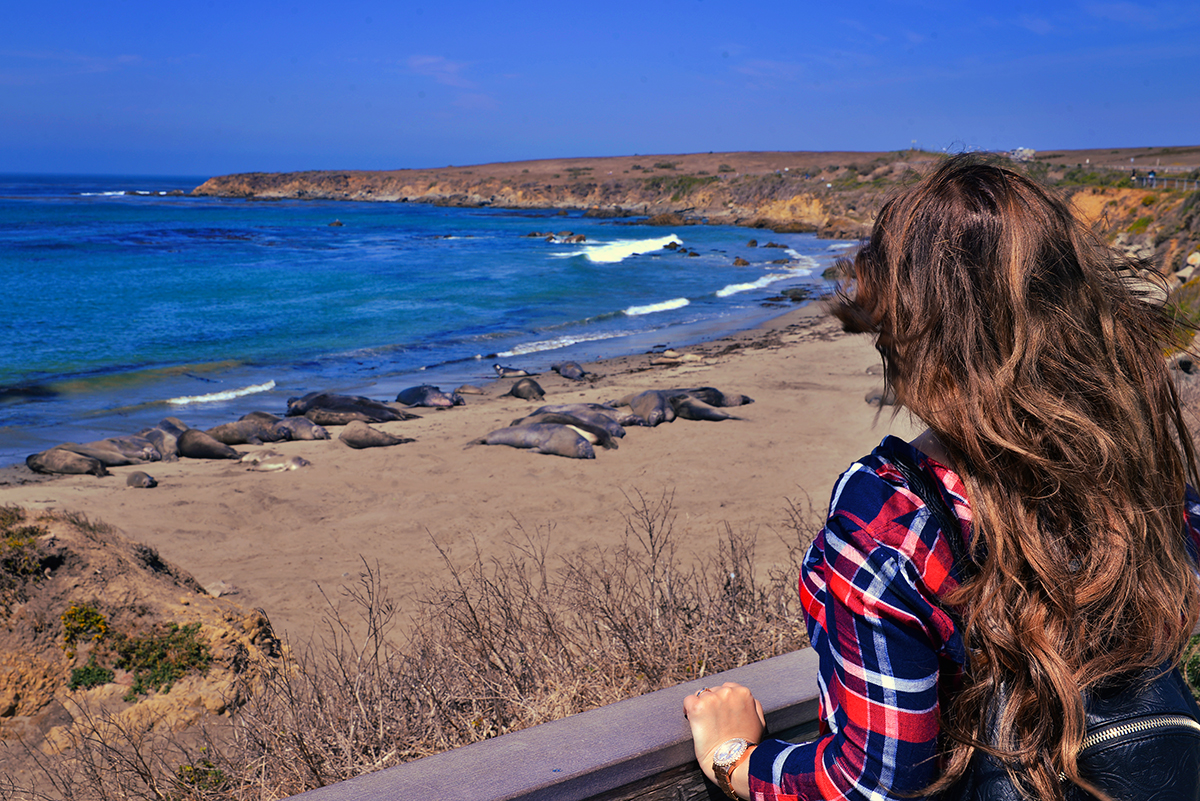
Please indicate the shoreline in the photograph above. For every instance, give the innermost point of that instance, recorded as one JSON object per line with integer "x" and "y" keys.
{"x": 284, "y": 542}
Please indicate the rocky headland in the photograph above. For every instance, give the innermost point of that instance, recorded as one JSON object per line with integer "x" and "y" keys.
{"x": 833, "y": 194}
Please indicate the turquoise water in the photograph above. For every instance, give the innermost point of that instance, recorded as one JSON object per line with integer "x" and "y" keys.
{"x": 125, "y": 303}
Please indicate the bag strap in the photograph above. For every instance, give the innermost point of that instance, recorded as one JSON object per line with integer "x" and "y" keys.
{"x": 924, "y": 487}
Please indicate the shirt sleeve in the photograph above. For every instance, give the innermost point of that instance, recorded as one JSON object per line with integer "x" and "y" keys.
{"x": 870, "y": 585}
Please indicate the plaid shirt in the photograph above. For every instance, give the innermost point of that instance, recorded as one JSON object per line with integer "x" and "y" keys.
{"x": 890, "y": 656}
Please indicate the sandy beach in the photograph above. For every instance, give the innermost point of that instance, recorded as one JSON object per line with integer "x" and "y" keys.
{"x": 277, "y": 540}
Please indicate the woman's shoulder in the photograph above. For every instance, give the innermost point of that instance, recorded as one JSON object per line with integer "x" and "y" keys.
{"x": 874, "y": 505}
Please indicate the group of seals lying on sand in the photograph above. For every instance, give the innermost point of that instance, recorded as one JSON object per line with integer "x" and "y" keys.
{"x": 572, "y": 429}
{"x": 328, "y": 409}
{"x": 656, "y": 406}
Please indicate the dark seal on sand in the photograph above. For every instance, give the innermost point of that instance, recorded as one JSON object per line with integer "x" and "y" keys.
{"x": 558, "y": 440}
{"x": 57, "y": 460}
{"x": 196, "y": 444}
{"x": 527, "y": 389}
{"x": 359, "y": 435}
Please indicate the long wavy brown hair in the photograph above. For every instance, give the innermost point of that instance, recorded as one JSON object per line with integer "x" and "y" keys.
{"x": 1012, "y": 331}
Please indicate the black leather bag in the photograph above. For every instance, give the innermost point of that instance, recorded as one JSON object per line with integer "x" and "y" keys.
{"x": 1143, "y": 737}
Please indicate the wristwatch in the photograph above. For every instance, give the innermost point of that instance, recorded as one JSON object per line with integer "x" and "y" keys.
{"x": 727, "y": 757}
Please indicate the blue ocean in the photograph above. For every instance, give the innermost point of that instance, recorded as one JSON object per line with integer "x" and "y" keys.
{"x": 127, "y": 301}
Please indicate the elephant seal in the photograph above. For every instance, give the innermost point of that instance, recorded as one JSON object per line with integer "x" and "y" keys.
{"x": 301, "y": 428}
{"x": 580, "y": 411}
{"x": 595, "y": 434}
{"x": 164, "y": 442}
{"x": 117, "y": 451}
{"x": 589, "y": 411}
{"x": 527, "y": 389}
{"x": 714, "y": 397}
{"x": 359, "y": 435}
{"x": 57, "y": 460}
{"x": 327, "y": 408}
{"x": 650, "y": 407}
{"x": 570, "y": 370}
{"x": 548, "y": 438}
{"x": 429, "y": 395}
{"x": 266, "y": 417}
{"x": 690, "y": 408}
{"x": 467, "y": 389}
{"x": 196, "y": 444}
{"x": 140, "y": 480}
{"x": 510, "y": 372}
{"x": 254, "y": 431}
{"x": 272, "y": 462}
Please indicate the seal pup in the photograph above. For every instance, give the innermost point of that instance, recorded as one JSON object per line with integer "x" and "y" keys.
{"x": 528, "y": 389}
{"x": 272, "y": 462}
{"x": 549, "y": 438}
{"x": 140, "y": 480}
{"x": 196, "y": 444}
{"x": 57, "y": 460}
{"x": 359, "y": 435}
{"x": 510, "y": 372}
{"x": 429, "y": 395}
{"x": 468, "y": 389}
{"x": 597, "y": 435}
{"x": 570, "y": 370}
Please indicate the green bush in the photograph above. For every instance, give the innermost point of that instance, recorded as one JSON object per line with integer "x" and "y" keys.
{"x": 90, "y": 675}
{"x": 1140, "y": 225}
{"x": 161, "y": 657}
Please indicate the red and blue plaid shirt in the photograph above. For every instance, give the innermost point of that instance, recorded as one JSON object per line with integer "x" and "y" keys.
{"x": 890, "y": 656}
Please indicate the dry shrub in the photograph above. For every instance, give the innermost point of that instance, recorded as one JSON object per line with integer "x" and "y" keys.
{"x": 507, "y": 642}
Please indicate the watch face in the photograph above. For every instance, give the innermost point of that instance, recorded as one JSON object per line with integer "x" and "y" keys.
{"x": 729, "y": 751}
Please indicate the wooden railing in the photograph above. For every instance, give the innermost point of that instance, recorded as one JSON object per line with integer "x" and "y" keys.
{"x": 640, "y": 748}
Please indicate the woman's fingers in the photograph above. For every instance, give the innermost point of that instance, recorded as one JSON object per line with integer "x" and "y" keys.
{"x": 717, "y": 714}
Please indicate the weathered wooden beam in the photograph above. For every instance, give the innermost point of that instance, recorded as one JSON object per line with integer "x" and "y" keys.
{"x": 640, "y": 748}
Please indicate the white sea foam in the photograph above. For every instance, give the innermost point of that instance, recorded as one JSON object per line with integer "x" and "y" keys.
{"x": 228, "y": 394}
{"x": 666, "y": 305}
{"x": 766, "y": 280}
{"x": 101, "y": 194}
{"x": 558, "y": 342}
{"x": 621, "y": 249}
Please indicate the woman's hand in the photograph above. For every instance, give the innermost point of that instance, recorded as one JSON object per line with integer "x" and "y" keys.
{"x": 717, "y": 714}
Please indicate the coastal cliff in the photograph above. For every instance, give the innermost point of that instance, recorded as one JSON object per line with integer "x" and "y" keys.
{"x": 834, "y": 194}
{"x": 831, "y": 194}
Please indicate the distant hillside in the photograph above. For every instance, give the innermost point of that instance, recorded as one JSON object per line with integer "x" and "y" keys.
{"x": 834, "y": 194}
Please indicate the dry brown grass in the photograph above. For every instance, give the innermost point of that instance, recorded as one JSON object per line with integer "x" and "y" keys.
{"x": 505, "y": 643}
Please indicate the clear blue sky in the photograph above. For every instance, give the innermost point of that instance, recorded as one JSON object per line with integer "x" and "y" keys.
{"x": 206, "y": 87}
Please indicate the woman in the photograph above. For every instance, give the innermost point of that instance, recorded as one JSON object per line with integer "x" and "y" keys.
{"x": 1055, "y": 436}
